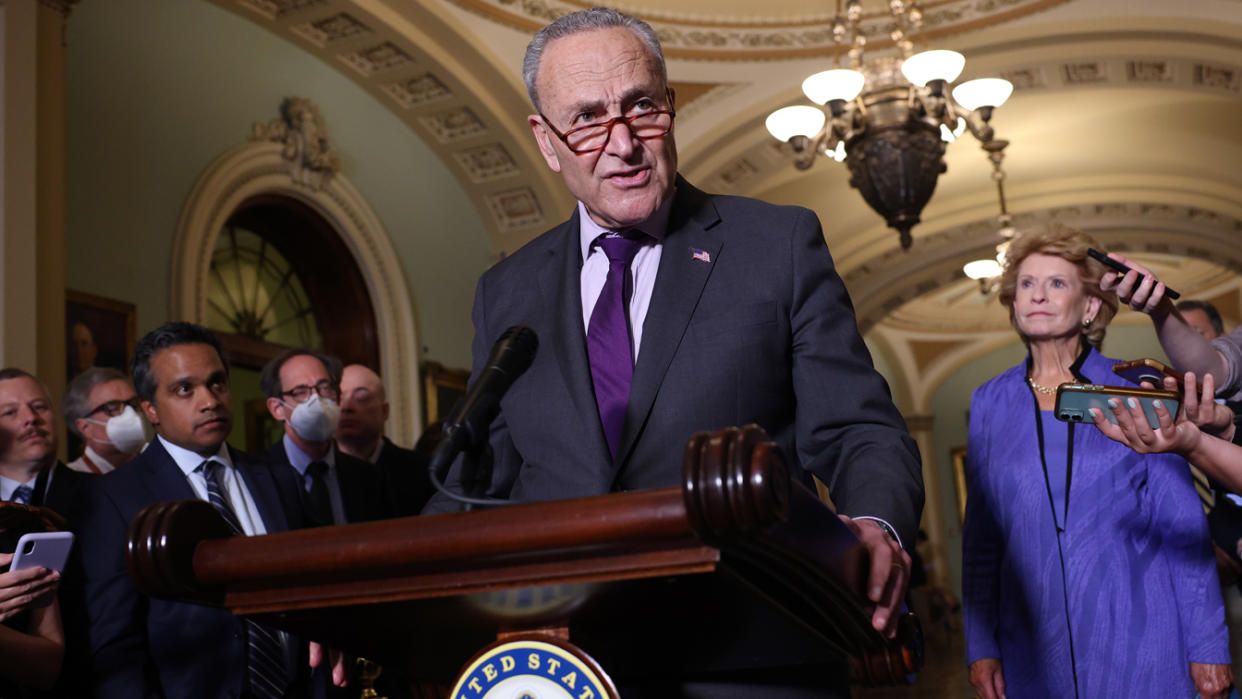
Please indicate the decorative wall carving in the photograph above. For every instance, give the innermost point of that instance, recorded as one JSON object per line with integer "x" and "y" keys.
{"x": 311, "y": 157}
{"x": 1024, "y": 78}
{"x": 416, "y": 91}
{"x": 1141, "y": 71}
{"x": 385, "y": 56}
{"x": 1216, "y": 76}
{"x": 515, "y": 208}
{"x": 486, "y": 163}
{"x": 273, "y": 9}
{"x": 702, "y": 36}
{"x": 453, "y": 125}
{"x": 1085, "y": 72}
{"x": 325, "y": 31}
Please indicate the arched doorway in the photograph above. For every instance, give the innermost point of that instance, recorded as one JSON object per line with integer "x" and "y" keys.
{"x": 281, "y": 277}
{"x": 329, "y": 235}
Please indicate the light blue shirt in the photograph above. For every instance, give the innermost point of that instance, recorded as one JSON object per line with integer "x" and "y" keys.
{"x": 302, "y": 461}
{"x": 8, "y": 485}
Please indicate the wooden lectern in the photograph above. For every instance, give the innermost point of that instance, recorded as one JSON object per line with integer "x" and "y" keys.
{"x": 737, "y": 569}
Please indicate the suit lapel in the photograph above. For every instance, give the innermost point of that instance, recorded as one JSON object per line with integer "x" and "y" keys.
{"x": 679, "y": 283}
{"x": 263, "y": 489}
{"x": 560, "y": 281}
{"x": 164, "y": 480}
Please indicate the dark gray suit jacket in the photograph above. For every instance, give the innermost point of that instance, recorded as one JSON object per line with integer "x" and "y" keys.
{"x": 764, "y": 332}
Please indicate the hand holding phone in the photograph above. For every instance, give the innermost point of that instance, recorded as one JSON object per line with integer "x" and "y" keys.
{"x": 1139, "y": 370}
{"x": 48, "y": 550}
{"x": 1121, "y": 270}
{"x": 1075, "y": 401}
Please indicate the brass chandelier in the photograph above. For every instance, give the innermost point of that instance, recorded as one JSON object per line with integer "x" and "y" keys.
{"x": 891, "y": 116}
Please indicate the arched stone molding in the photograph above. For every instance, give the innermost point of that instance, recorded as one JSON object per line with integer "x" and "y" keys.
{"x": 884, "y": 283}
{"x": 257, "y": 168}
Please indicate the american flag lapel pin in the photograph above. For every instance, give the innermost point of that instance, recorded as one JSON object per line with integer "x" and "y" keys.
{"x": 700, "y": 255}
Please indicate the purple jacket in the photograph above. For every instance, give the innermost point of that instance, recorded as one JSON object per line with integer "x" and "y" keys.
{"x": 1139, "y": 573}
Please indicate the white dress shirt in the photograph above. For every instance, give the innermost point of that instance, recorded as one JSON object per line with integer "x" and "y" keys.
{"x": 234, "y": 486}
{"x": 88, "y": 459}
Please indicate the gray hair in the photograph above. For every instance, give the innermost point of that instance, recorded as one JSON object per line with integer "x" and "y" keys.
{"x": 78, "y": 392}
{"x": 593, "y": 19}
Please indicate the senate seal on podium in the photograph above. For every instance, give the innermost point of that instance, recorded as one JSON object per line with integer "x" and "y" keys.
{"x": 534, "y": 666}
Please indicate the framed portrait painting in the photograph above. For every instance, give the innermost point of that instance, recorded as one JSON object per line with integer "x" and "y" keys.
{"x": 98, "y": 332}
{"x": 442, "y": 388}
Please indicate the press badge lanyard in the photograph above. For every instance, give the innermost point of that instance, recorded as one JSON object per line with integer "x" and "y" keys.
{"x": 1069, "y": 473}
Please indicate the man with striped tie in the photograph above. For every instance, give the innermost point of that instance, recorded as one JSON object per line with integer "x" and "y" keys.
{"x": 148, "y": 647}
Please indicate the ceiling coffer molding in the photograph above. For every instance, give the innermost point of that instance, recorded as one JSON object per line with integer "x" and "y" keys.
{"x": 888, "y": 281}
{"x": 275, "y": 9}
{"x": 767, "y": 39}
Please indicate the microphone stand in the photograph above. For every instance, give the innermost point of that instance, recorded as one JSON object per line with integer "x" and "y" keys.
{"x": 476, "y": 472}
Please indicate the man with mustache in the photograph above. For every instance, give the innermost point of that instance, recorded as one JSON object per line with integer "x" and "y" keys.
{"x": 143, "y": 646}
{"x": 31, "y": 475}
{"x": 29, "y": 471}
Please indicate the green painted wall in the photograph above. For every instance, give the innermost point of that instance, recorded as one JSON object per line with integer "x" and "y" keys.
{"x": 156, "y": 90}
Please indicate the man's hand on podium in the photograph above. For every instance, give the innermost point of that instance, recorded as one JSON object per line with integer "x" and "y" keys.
{"x": 890, "y": 572}
{"x": 335, "y": 657}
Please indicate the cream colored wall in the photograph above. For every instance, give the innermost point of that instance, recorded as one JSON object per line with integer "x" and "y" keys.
{"x": 155, "y": 91}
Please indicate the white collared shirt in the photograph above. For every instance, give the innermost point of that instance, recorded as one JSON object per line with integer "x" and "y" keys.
{"x": 234, "y": 486}
{"x": 88, "y": 458}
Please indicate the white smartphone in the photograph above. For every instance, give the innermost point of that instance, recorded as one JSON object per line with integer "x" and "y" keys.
{"x": 43, "y": 550}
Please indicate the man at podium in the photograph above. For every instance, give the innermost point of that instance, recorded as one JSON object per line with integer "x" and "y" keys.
{"x": 662, "y": 311}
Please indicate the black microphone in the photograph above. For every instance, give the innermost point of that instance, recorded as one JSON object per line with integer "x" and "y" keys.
{"x": 466, "y": 427}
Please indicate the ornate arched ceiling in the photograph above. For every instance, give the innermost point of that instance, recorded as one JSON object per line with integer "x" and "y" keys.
{"x": 1125, "y": 120}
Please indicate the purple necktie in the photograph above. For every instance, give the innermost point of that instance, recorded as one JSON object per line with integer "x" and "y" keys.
{"x": 609, "y": 345}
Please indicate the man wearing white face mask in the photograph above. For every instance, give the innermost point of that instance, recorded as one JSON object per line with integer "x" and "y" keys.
{"x": 100, "y": 406}
{"x": 303, "y": 391}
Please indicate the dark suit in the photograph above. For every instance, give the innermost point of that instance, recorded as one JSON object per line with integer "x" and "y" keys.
{"x": 764, "y": 332}
{"x": 362, "y": 492}
{"x": 407, "y": 486}
{"x": 60, "y": 489}
{"x": 149, "y": 647}
{"x": 66, "y": 493}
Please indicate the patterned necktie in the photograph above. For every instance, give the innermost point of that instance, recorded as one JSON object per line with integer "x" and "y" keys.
{"x": 609, "y": 340}
{"x": 23, "y": 495}
{"x": 317, "y": 496}
{"x": 269, "y": 669}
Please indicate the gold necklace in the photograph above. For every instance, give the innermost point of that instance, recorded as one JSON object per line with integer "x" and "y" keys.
{"x": 1041, "y": 389}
